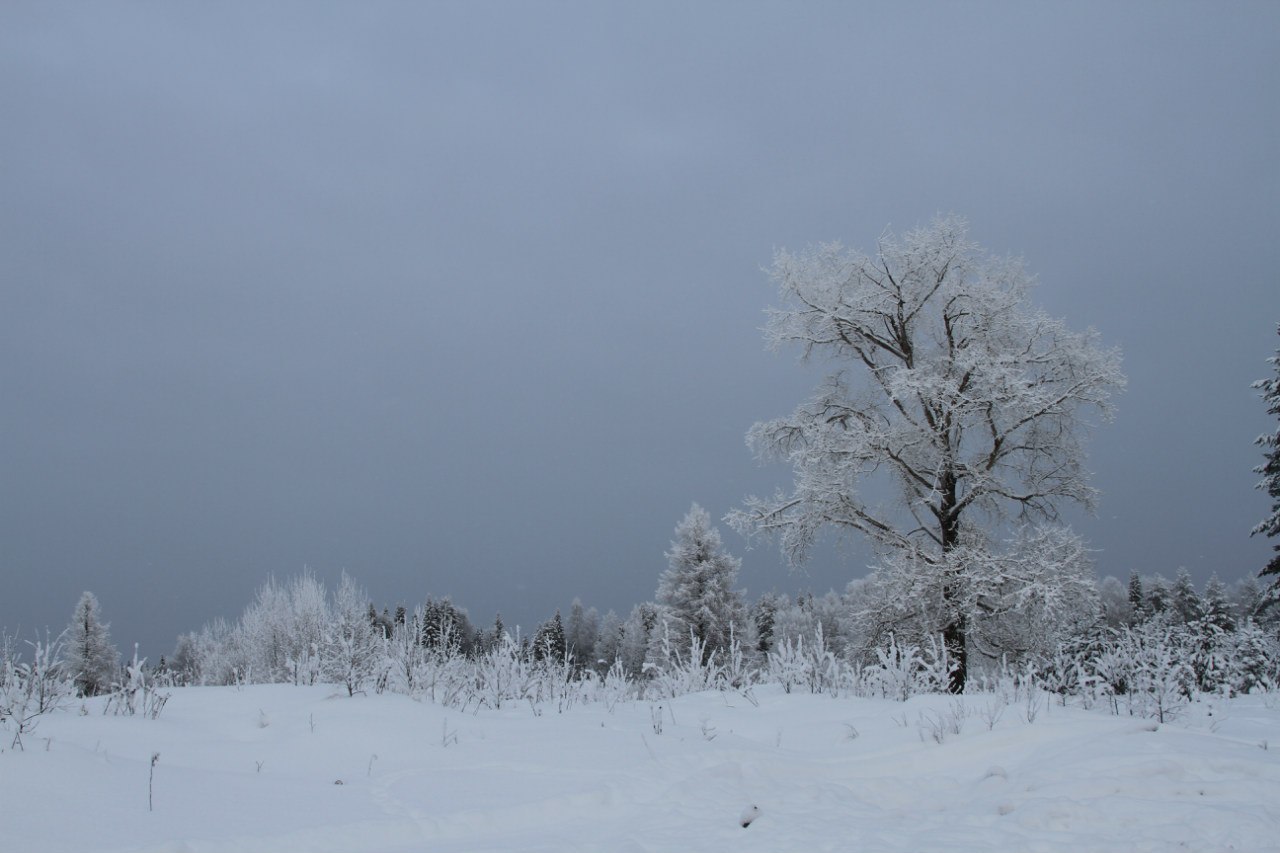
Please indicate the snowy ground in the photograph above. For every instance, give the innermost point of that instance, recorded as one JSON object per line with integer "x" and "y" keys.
{"x": 258, "y": 769}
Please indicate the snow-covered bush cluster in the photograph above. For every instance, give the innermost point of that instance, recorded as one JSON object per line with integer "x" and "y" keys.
{"x": 1145, "y": 657}
{"x": 1145, "y": 648}
{"x": 31, "y": 687}
{"x": 79, "y": 662}
{"x": 1165, "y": 646}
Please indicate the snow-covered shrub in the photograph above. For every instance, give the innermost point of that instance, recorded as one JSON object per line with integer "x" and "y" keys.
{"x": 905, "y": 669}
{"x": 406, "y": 658}
{"x": 555, "y": 681}
{"x": 738, "y": 668}
{"x": 47, "y": 679}
{"x": 29, "y": 689}
{"x": 446, "y": 677}
{"x": 615, "y": 687}
{"x": 939, "y": 725}
{"x": 1062, "y": 671}
{"x": 813, "y": 665}
{"x": 683, "y": 668}
{"x": 827, "y": 672}
{"x": 1149, "y": 665}
{"x": 785, "y": 664}
{"x": 135, "y": 693}
{"x": 502, "y": 674}
{"x": 1071, "y": 669}
{"x": 895, "y": 674}
{"x": 1161, "y": 679}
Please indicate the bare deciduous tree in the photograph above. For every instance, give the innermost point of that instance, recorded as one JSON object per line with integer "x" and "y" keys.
{"x": 969, "y": 403}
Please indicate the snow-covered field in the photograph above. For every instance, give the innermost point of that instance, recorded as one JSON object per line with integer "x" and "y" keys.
{"x": 282, "y": 768}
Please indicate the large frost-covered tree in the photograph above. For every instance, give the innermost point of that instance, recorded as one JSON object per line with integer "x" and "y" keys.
{"x": 90, "y": 656}
{"x": 696, "y": 592}
{"x": 953, "y": 392}
{"x": 1270, "y": 471}
{"x": 283, "y": 629}
{"x": 351, "y": 648}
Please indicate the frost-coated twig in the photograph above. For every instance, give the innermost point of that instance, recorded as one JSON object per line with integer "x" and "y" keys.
{"x": 155, "y": 756}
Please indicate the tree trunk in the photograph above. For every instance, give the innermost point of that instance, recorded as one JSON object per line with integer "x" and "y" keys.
{"x": 953, "y": 635}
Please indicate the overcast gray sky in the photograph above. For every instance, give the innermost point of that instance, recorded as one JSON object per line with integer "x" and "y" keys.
{"x": 465, "y": 298}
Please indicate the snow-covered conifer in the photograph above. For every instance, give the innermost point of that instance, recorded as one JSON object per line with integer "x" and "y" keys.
{"x": 90, "y": 656}
{"x": 1184, "y": 600}
{"x": 1137, "y": 597}
{"x": 1158, "y": 596}
{"x": 1217, "y": 610}
{"x": 763, "y": 613}
{"x": 549, "y": 642}
{"x": 1253, "y": 660}
{"x": 697, "y": 594}
{"x": 1246, "y": 598}
{"x": 446, "y": 628}
{"x": 496, "y": 635}
{"x": 1269, "y": 390}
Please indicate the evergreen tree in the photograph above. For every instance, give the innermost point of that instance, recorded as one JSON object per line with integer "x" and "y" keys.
{"x": 1137, "y": 598}
{"x": 1246, "y": 598}
{"x": 1269, "y": 390}
{"x": 89, "y": 652}
{"x": 1157, "y": 601}
{"x": 383, "y": 625}
{"x": 1184, "y": 600}
{"x": 548, "y": 643}
{"x": 445, "y": 628}
{"x": 1252, "y": 660}
{"x": 763, "y": 614}
{"x": 697, "y": 591}
{"x": 1217, "y": 610}
{"x": 499, "y": 630}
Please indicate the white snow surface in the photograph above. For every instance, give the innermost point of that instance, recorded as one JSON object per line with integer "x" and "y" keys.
{"x": 256, "y": 769}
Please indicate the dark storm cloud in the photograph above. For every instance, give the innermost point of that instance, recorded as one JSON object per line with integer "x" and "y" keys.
{"x": 464, "y": 298}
